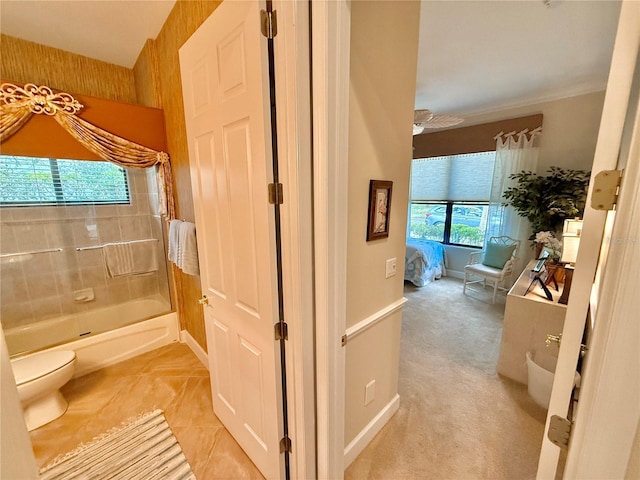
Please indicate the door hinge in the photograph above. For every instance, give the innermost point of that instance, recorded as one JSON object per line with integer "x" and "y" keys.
{"x": 281, "y": 330}
{"x": 343, "y": 340}
{"x": 268, "y": 23}
{"x": 276, "y": 195}
{"x": 285, "y": 444}
{"x": 559, "y": 431}
{"x": 606, "y": 185}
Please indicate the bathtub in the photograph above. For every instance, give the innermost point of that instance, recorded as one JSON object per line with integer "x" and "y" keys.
{"x": 98, "y": 350}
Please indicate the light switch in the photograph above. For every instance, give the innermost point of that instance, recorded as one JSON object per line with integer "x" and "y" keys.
{"x": 369, "y": 392}
{"x": 391, "y": 267}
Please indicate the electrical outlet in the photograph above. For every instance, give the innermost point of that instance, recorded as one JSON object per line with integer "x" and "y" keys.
{"x": 369, "y": 392}
{"x": 390, "y": 267}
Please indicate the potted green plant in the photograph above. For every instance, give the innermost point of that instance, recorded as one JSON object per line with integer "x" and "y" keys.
{"x": 546, "y": 201}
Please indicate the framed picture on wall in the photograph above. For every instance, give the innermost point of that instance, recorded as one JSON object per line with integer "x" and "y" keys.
{"x": 379, "y": 209}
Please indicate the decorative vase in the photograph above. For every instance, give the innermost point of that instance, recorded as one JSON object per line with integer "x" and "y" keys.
{"x": 538, "y": 250}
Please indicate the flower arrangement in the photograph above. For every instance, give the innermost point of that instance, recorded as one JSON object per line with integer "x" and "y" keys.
{"x": 547, "y": 240}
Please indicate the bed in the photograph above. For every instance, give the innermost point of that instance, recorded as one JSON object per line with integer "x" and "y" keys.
{"x": 424, "y": 261}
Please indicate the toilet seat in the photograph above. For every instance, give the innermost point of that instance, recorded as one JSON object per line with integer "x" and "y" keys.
{"x": 32, "y": 367}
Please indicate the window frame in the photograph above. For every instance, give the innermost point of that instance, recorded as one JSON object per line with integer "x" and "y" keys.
{"x": 58, "y": 190}
{"x": 449, "y": 204}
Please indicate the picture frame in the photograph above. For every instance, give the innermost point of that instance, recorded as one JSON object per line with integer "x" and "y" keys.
{"x": 379, "y": 209}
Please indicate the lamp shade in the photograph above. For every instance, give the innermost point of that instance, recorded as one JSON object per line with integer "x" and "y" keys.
{"x": 570, "y": 244}
{"x": 571, "y": 231}
{"x": 572, "y": 226}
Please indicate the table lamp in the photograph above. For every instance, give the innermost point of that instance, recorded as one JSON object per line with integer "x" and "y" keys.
{"x": 571, "y": 232}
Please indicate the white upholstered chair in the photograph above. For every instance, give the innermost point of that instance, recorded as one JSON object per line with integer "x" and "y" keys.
{"x": 492, "y": 265}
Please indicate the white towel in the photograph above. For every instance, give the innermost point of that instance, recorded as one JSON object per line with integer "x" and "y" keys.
{"x": 130, "y": 258}
{"x": 174, "y": 246}
{"x": 188, "y": 249}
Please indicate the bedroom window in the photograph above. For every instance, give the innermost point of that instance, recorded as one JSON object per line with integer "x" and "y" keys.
{"x": 449, "y": 198}
{"x": 27, "y": 181}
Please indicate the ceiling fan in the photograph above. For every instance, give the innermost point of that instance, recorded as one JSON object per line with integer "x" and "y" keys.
{"x": 423, "y": 119}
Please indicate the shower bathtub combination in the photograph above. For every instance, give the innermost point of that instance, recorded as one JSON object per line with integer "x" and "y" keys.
{"x": 66, "y": 284}
{"x": 96, "y": 348}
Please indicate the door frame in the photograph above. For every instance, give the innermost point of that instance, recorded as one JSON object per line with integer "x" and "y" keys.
{"x": 609, "y": 406}
{"x": 592, "y": 254}
{"x": 330, "y": 52}
{"x": 609, "y": 412}
{"x": 293, "y": 99}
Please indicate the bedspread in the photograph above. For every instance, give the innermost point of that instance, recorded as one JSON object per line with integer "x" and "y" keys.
{"x": 424, "y": 261}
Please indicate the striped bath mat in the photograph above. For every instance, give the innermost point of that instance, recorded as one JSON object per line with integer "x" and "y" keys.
{"x": 144, "y": 448}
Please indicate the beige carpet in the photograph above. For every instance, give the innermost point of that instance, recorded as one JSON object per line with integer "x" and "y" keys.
{"x": 458, "y": 419}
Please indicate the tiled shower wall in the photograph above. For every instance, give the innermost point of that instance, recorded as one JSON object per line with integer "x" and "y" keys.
{"x": 41, "y": 286}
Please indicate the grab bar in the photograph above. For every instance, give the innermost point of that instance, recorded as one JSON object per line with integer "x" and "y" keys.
{"x": 95, "y": 247}
{"x": 5, "y": 255}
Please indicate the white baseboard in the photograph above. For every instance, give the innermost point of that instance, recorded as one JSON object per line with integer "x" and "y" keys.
{"x": 185, "y": 337}
{"x": 358, "y": 444}
{"x": 455, "y": 274}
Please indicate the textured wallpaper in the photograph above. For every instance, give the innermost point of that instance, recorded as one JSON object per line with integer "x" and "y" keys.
{"x": 164, "y": 77}
{"x": 27, "y": 62}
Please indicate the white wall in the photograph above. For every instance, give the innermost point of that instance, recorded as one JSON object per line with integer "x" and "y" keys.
{"x": 569, "y": 129}
{"x": 384, "y": 44}
{"x": 16, "y": 458}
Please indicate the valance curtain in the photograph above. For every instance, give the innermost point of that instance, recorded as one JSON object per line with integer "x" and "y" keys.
{"x": 18, "y": 104}
{"x": 514, "y": 153}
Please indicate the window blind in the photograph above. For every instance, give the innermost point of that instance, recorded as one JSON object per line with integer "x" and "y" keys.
{"x": 465, "y": 177}
{"x": 28, "y": 181}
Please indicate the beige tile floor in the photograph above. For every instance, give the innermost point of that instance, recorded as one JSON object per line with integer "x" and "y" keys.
{"x": 170, "y": 378}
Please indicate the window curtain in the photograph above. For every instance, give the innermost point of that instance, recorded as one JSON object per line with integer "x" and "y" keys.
{"x": 514, "y": 153}
{"x": 18, "y": 104}
{"x": 465, "y": 177}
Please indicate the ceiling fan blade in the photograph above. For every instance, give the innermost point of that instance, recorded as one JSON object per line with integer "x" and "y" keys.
{"x": 424, "y": 118}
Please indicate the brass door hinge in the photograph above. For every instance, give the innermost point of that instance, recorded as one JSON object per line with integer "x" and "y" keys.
{"x": 285, "y": 444}
{"x": 281, "y": 330}
{"x": 343, "y": 340}
{"x": 559, "y": 431}
{"x": 276, "y": 195}
{"x": 606, "y": 185}
{"x": 268, "y": 23}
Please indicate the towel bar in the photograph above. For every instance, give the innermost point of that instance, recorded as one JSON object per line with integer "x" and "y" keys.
{"x": 94, "y": 247}
{"x": 5, "y": 255}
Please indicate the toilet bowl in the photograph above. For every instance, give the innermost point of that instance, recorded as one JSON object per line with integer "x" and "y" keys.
{"x": 541, "y": 369}
{"x": 39, "y": 378}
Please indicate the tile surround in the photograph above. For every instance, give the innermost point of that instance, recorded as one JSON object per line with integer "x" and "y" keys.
{"x": 32, "y": 282}
{"x": 170, "y": 378}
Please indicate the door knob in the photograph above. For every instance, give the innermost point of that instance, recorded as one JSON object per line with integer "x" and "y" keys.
{"x": 204, "y": 300}
{"x": 553, "y": 338}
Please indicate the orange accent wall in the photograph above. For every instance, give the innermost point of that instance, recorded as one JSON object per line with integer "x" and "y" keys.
{"x": 42, "y": 136}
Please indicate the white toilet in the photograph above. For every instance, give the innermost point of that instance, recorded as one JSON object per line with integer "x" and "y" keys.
{"x": 39, "y": 378}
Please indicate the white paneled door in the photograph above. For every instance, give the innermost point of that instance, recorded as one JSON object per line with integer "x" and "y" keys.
{"x": 225, "y": 85}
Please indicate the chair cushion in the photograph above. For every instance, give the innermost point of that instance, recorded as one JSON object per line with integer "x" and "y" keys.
{"x": 497, "y": 255}
{"x": 483, "y": 270}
